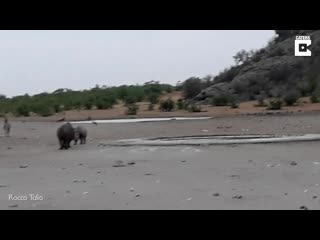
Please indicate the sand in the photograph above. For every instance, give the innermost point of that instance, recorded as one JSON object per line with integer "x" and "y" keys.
{"x": 261, "y": 176}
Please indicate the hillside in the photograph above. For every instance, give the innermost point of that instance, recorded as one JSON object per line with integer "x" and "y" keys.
{"x": 273, "y": 71}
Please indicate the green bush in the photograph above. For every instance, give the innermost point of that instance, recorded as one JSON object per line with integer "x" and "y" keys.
{"x": 275, "y": 104}
{"x": 132, "y": 109}
{"x": 194, "y": 108}
{"x": 57, "y": 108}
{"x": 291, "y": 98}
{"x": 104, "y": 104}
{"x": 153, "y": 98}
{"x": 261, "y": 102}
{"x": 88, "y": 105}
{"x": 180, "y": 104}
{"x": 43, "y": 110}
{"x": 130, "y": 100}
{"x": 167, "y": 105}
{"x": 23, "y": 110}
{"x": 222, "y": 100}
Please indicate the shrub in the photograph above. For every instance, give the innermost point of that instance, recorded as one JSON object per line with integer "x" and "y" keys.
{"x": 314, "y": 98}
{"x": 132, "y": 109}
{"x": 180, "y": 104}
{"x": 23, "y": 110}
{"x": 234, "y": 104}
{"x": 291, "y": 97}
{"x": 88, "y": 105}
{"x": 43, "y": 109}
{"x": 167, "y": 105}
{"x": 194, "y": 108}
{"x": 192, "y": 87}
{"x": 57, "y": 108}
{"x": 275, "y": 104}
{"x": 222, "y": 100}
{"x": 153, "y": 98}
{"x": 151, "y": 107}
{"x": 261, "y": 102}
{"x": 104, "y": 104}
{"x": 130, "y": 100}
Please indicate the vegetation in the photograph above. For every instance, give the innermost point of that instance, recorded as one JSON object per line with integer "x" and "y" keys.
{"x": 275, "y": 104}
{"x": 46, "y": 104}
{"x": 291, "y": 97}
{"x": 222, "y": 100}
{"x": 167, "y": 105}
{"x": 132, "y": 109}
{"x": 194, "y": 108}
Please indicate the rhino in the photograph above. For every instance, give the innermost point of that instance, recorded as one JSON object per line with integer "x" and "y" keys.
{"x": 80, "y": 134}
{"x": 65, "y": 134}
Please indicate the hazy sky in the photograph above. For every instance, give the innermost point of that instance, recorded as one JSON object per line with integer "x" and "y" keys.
{"x": 37, "y": 61}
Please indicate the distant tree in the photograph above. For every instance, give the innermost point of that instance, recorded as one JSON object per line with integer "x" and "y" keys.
{"x": 241, "y": 57}
{"x": 192, "y": 87}
{"x": 2, "y": 97}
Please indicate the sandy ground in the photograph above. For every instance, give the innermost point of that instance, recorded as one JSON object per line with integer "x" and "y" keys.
{"x": 263, "y": 176}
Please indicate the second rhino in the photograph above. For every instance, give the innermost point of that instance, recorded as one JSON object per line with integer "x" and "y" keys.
{"x": 80, "y": 133}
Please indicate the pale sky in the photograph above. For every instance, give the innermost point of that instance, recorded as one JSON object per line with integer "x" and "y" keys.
{"x": 37, "y": 61}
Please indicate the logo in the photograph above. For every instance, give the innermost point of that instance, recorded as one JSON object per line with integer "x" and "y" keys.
{"x": 302, "y": 46}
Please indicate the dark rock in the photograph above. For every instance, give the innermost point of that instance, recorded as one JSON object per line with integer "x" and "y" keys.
{"x": 293, "y": 163}
{"x": 13, "y": 206}
{"x": 304, "y": 208}
{"x": 216, "y": 194}
{"x": 23, "y": 166}
{"x": 237, "y": 197}
{"x": 118, "y": 164}
{"x": 131, "y": 163}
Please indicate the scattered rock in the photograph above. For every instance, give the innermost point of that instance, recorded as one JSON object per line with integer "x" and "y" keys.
{"x": 216, "y": 194}
{"x": 304, "y": 208}
{"x": 118, "y": 164}
{"x": 233, "y": 176}
{"x": 314, "y": 197}
{"x": 3, "y": 186}
{"x": 286, "y": 194}
{"x": 237, "y": 197}
{"x": 80, "y": 164}
{"x": 98, "y": 172}
{"x": 293, "y": 163}
{"x": 183, "y": 161}
{"x": 23, "y": 166}
{"x": 9, "y": 148}
{"x": 131, "y": 189}
{"x": 137, "y": 195}
{"x": 148, "y": 174}
{"x": 131, "y": 163}
{"x": 13, "y": 206}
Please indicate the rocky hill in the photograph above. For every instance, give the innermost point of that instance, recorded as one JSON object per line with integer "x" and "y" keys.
{"x": 271, "y": 72}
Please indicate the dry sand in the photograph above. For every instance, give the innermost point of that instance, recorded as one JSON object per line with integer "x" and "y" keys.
{"x": 263, "y": 176}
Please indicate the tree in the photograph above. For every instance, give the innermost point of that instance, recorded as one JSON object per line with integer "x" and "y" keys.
{"x": 191, "y": 87}
{"x": 241, "y": 57}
